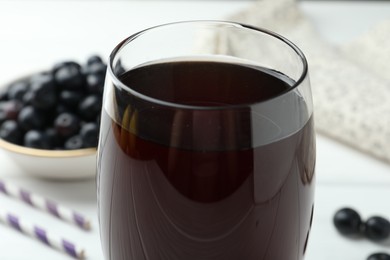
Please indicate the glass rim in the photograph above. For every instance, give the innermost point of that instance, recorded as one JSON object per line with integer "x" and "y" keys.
{"x": 117, "y": 82}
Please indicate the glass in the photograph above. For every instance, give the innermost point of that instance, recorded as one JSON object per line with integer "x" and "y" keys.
{"x": 207, "y": 146}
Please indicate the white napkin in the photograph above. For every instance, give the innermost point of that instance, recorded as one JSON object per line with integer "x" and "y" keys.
{"x": 350, "y": 83}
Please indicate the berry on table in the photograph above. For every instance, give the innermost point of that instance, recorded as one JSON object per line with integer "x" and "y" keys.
{"x": 347, "y": 221}
{"x": 377, "y": 228}
{"x": 379, "y": 256}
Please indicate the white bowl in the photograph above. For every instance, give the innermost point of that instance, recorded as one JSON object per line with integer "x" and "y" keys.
{"x": 53, "y": 164}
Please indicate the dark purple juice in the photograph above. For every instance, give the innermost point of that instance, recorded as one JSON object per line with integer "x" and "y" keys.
{"x": 205, "y": 183}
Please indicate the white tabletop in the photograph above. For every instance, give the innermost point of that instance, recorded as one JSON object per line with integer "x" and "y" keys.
{"x": 35, "y": 34}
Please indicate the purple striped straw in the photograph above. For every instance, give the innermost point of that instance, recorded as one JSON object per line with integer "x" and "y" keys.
{"x": 39, "y": 233}
{"x": 44, "y": 204}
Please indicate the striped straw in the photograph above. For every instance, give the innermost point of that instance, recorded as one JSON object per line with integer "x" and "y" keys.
{"x": 39, "y": 233}
{"x": 44, "y": 204}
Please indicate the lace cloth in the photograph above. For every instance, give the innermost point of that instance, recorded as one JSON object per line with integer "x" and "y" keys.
{"x": 350, "y": 83}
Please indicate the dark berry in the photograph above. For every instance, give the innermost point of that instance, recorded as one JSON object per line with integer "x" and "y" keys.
{"x": 51, "y": 107}
{"x": 95, "y": 84}
{"x": 9, "y": 110}
{"x": 3, "y": 94}
{"x": 43, "y": 92}
{"x": 54, "y": 139}
{"x": 67, "y": 124}
{"x": 347, "y": 221}
{"x": 64, "y": 64}
{"x": 28, "y": 98}
{"x": 71, "y": 98}
{"x": 31, "y": 118}
{"x": 74, "y": 142}
{"x": 62, "y": 109}
{"x": 377, "y": 228}
{"x": 94, "y": 59}
{"x": 89, "y": 133}
{"x": 69, "y": 77}
{"x": 96, "y": 68}
{"x": 90, "y": 107}
{"x": 36, "y": 139}
{"x": 17, "y": 90}
{"x": 11, "y": 132}
{"x": 379, "y": 256}
{"x": 40, "y": 76}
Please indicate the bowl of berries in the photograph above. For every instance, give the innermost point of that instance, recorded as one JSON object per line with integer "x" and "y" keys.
{"x": 49, "y": 121}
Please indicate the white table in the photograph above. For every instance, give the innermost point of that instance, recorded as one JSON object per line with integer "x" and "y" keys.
{"x": 35, "y": 34}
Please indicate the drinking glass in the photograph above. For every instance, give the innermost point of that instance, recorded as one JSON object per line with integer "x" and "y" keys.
{"x": 207, "y": 146}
